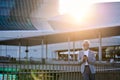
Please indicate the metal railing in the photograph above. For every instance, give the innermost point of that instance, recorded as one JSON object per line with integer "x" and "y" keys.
{"x": 28, "y": 71}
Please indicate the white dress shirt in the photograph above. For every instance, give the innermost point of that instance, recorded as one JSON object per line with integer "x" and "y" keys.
{"x": 86, "y": 53}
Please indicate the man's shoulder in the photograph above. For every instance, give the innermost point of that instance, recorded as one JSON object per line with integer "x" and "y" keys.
{"x": 93, "y": 52}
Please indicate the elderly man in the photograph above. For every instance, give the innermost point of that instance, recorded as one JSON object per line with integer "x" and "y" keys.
{"x": 86, "y": 58}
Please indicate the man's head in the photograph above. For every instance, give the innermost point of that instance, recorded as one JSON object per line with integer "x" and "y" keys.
{"x": 85, "y": 44}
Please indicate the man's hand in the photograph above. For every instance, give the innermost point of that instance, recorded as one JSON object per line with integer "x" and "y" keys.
{"x": 85, "y": 58}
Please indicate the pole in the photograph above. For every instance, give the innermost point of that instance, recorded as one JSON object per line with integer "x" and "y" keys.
{"x": 27, "y": 52}
{"x": 6, "y": 50}
{"x": 100, "y": 47}
{"x": 73, "y": 50}
{"x": 68, "y": 48}
{"x": 42, "y": 47}
{"x": 46, "y": 50}
{"x": 42, "y": 51}
{"x": 19, "y": 50}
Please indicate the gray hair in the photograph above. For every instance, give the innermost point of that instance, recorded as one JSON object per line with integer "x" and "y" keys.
{"x": 85, "y": 42}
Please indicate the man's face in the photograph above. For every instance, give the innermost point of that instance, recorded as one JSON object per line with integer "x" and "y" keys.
{"x": 86, "y": 46}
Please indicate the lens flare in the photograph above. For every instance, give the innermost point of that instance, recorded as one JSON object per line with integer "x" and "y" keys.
{"x": 79, "y": 8}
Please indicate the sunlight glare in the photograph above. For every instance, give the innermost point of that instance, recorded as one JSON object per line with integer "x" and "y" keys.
{"x": 75, "y": 8}
{"x": 78, "y": 8}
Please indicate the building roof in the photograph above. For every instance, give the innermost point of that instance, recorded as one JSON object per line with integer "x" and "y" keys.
{"x": 64, "y": 37}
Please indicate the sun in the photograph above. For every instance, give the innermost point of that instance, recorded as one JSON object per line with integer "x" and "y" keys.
{"x": 76, "y": 8}
{"x": 79, "y": 9}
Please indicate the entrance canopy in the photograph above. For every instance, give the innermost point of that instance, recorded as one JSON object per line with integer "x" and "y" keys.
{"x": 63, "y": 37}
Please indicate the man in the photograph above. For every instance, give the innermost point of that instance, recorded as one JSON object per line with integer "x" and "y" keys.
{"x": 87, "y": 59}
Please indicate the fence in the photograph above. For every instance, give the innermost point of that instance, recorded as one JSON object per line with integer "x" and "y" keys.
{"x": 27, "y": 71}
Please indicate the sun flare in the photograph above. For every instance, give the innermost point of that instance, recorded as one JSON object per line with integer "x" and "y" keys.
{"x": 78, "y": 8}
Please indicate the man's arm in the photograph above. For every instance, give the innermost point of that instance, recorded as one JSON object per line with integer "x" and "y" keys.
{"x": 80, "y": 59}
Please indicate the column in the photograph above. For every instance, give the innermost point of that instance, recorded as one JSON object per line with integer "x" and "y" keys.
{"x": 100, "y": 47}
